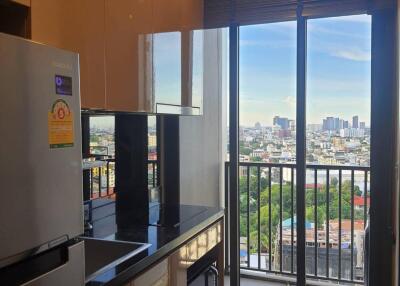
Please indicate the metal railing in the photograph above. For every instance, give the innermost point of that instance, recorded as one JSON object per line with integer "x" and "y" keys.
{"x": 337, "y": 201}
{"x": 152, "y": 173}
{"x": 102, "y": 189}
{"x": 102, "y": 178}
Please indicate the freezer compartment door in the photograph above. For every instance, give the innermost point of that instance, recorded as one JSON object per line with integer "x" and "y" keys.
{"x": 62, "y": 266}
{"x": 40, "y": 148}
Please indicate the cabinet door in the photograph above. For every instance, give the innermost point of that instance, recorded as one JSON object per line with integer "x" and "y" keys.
{"x": 192, "y": 14}
{"x": 167, "y": 16}
{"x": 157, "y": 275}
{"x": 178, "y": 267}
{"x": 77, "y": 26}
{"x": 23, "y": 2}
{"x": 92, "y": 54}
{"x": 178, "y": 15}
{"x": 128, "y": 55}
{"x": 167, "y": 71}
{"x": 178, "y": 57}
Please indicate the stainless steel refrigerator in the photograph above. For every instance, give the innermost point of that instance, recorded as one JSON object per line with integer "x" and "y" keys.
{"x": 41, "y": 212}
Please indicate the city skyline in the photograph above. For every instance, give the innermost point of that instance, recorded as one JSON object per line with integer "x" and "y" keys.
{"x": 349, "y": 120}
{"x": 108, "y": 122}
{"x": 338, "y": 70}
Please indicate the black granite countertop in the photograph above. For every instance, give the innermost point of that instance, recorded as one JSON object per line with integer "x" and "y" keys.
{"x": 168, "y": 228}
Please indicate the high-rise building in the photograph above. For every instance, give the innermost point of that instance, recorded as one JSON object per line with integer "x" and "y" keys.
{"x": 341, "y": 124}
{"x": 283, "y": 122}
{"x": 314, "y": 127}
{"x": 355, "y": 121}
{"x": 275, "y": 120}
{"x": 336, "y": 123}
{"x": 362, "y": 125}
{"x": 330, "y": 122}
{"x": 324, "y": 124}
{"x": 292, "y": 125}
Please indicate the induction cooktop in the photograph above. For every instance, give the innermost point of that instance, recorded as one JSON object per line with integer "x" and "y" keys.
{"x": 173, "y": 215}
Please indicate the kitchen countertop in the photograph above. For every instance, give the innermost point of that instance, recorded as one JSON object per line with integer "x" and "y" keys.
{"x": 164, "y": 235}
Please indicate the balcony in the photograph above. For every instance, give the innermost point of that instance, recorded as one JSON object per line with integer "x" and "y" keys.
{"x": 101, "y": 192}
{"x": 102, "y": 178}
{"x": 334, "y": 244}
{"x": 334, "y": 230}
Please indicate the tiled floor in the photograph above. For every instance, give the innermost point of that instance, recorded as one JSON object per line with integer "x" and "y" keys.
{"x": 251, "y": 282}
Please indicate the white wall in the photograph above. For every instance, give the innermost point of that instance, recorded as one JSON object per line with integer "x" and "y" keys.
{"x": 202, "y": 142}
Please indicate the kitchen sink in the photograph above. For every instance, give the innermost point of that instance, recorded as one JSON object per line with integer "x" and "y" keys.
{"x": 103, "y": 254}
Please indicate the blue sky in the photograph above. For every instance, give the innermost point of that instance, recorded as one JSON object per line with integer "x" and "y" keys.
{"x": 167, "y": 69}
{"x": 338, "y": 70}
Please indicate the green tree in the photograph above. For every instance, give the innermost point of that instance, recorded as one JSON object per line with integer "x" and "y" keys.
{"x": 245, "y": 151}
{"x": 321, "y": 215}
{"x": 334, "y": 181}
{"x": 256, "y": 159}
{"x": 272, "y": 204}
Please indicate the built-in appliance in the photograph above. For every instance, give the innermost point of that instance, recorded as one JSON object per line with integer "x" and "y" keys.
{"x": 173, "y": 215}
{"x": 208, "y": 276}
{"x": 41, "y": 210}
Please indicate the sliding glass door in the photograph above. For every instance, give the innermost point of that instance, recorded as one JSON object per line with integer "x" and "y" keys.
{"x": 338, "y": 146}
{"x": 267, "y": 146}
{"x": 304, "y": 83}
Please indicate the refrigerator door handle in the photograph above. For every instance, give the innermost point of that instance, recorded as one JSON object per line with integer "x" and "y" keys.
{"x": 61, "y": 266}
{"x": 70, "y": 273}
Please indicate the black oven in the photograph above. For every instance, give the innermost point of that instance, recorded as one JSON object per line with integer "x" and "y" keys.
{"x": 204, "y": 271}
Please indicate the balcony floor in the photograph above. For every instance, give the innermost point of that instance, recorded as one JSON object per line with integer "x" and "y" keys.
{"x": 253, "y": 282}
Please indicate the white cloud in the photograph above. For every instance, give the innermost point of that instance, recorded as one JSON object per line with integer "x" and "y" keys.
{"x": 290, "y": 100}
{"x": 353, "y": 55}
{"x": 354, "y": 18}
{"x": 318, "y": 85}
{"x": 268, "y": 44}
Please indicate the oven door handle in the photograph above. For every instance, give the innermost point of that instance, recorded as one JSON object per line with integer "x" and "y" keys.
{"x": 213, "y": 270}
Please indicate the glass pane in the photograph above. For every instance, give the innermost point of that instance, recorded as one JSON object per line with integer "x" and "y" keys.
{"x": 154, "y": 192}
{"x": 102, "y": 147}
{"x": 197, "y": 68}
{"x": 267, "y": 81}
{"x": 167, "y": 67}
{"x": 338, "y": 137}
{"x": 102, "y": 135}
{"x": 152, "y": 136}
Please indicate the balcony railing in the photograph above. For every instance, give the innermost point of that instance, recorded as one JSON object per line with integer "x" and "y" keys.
{"x": 337, "y": 201}
{"x": 102, "y": 178}
{"x": 152, "y": 173}
{"x": 101, "y": 196}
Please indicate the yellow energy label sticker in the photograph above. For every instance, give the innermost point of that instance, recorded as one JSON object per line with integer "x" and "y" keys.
{"x": 61, "y": 125}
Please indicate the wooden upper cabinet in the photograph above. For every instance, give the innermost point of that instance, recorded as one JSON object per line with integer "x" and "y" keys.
{"x": 135, "y": 55}
{"x": 175, "y": 49}
{"x": 93, "y": 70}
{"x": 128, "y": 55}
{"x": 192, "y": 14}
{"x": 178, "y": 15}
{"x": 26, "y": 3}
{"x": 167, "y": 15}
{"x": 78, "y": 26}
